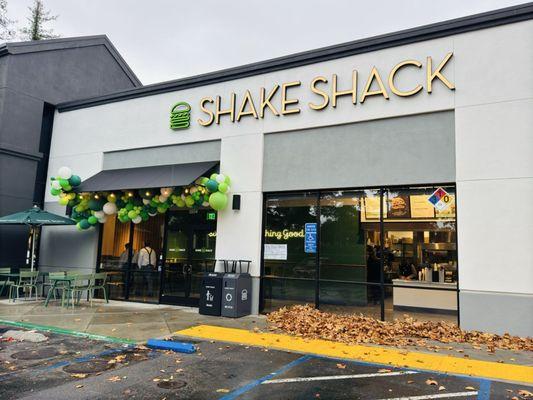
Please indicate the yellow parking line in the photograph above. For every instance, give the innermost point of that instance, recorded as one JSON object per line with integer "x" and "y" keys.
{"x": 373, "y": 354}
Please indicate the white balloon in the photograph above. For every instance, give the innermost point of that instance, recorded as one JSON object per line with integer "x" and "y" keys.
{"x": 99, "y": 214}
{"x": 137, "y": 219}
{"x": 220, "y": 178}
{"x": 192, "y": 190}
{"x": 102, "y": 220}
{"x": 162, "y": 198}
{"x": 183, "y": 196}
{"x": 56, "y": 185}
{"x": 64, "y": 172}
{"x": 110, "y": 208}
{"x": 146, "y": 202}
{"x": 152, "y": 214}
{"x": 205, "y": 204}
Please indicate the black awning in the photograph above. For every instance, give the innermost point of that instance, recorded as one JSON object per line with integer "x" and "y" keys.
{"x": 146, "y": 177}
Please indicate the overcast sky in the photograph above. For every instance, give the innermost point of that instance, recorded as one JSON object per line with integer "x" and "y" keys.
{"x": 169, "y": 39}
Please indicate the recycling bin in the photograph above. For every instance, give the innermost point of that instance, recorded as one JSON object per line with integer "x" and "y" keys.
{"x": 211, "y": 292}
{"x": 237, "y": 292}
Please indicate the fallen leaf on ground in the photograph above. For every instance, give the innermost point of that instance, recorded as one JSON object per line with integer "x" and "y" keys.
{"x": 80, "y": 376}
{"x": 79, "y": 386}
{"x": 384, "y": 370}
{"x": 441, "y": 388}
{"x": 308, "y": 323}
{"x": 222, "y": 390}
{"x": 431, "y": 382}
{"x": 156, "y": 379}
{"x": 410, "y": 381}
{"x": 114, "y": 379}
{"x": 470, "y": 388}
{"x": 341, "y": 366}
{"x": 525, "y": 393}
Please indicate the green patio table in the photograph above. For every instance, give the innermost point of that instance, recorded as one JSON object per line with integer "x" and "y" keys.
{"x": 55, "y": 281}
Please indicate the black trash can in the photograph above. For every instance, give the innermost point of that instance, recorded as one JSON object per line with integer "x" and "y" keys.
{"x": 211, "y": 292}
{"x": 237, "y": 292}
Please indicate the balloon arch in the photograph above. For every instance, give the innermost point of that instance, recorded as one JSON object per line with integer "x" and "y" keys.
{"x": 89, "y": 209}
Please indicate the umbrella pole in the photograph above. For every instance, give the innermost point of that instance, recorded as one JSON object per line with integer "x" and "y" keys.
{"x": 32, "y": 246}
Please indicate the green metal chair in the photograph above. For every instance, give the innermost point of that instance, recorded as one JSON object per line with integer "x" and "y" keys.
{"x": 80, "y": 284}
{"x": 99, "y": 282}
{"x": 60, "y": 286}
{"x": 26, "y": 280}
{"x": 5, "y": 280}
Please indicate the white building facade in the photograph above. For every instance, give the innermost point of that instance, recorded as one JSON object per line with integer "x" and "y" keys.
{"x": 445, "y": 106}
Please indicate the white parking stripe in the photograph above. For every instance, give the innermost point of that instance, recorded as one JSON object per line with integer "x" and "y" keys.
{"x": 335, "y": 377}
{"x": 436, "y": 396}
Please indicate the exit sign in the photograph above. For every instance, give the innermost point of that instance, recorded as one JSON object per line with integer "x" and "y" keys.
{"x": 211, "y": 216}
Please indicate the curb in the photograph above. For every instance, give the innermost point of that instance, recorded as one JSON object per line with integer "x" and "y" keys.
{"x": 63, "y": 331}
{"x": 370, "y": 354}
{"x": 178, "y": 347}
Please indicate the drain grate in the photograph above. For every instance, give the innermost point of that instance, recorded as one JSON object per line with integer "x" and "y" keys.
{"x": 171, "y": 384}
{"x": 88, "y": 367}
{"x": 39, "y": 354}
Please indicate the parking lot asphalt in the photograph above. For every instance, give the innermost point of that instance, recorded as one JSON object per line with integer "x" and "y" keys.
{"x": 66, "y": 367}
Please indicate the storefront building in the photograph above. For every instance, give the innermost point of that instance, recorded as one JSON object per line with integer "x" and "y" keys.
{"x": 353, "y": 168}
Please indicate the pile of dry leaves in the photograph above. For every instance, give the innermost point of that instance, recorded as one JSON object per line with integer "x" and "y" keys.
{"x": 308, "y": 322}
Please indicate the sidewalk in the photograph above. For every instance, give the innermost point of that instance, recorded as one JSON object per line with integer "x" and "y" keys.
{"x": 131, "y": 321}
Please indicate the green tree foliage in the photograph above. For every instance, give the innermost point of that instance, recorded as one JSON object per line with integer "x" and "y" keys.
{"x": 37, "y": 20}
{"x": 6, "y": 24}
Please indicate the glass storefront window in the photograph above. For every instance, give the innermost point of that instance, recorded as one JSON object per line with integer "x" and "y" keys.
{"x": 349, "y": 268}
{"x": 114, "y": 256}
{"x": 289, "y": 271}
{"x": 418, "y": 251}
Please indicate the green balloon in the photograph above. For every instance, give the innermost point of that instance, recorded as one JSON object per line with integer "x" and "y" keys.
{"x": 223, "y": 187}
{"x": 132, "y": 214}
{"x": 213, "y": 177}
{"x": 78, "y": 227}
{"x": 74, "y": 180}
{"x": 63, "y": 182}
{"x": 218, "y": 201}
{"x": 161, "y": 209}
{"x": 63, "y": 201}
{"x": 204, "y": 180}
{"x": 96, "y": 204}
{"x": 55, "y": 192}
{"x": 212, "y": 185}
{"x": 180, "y": 202}
{"x": 189, "y": 201}
{"x": 84, "y": 224}
{"x": 227, "y": 180}
{"x": 67, "y": 188}
{"x": 92, "y": 220}
{"x": 129, "y": 206}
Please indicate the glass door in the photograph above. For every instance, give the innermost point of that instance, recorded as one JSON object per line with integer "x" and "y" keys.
{"x": 190, "y": 250}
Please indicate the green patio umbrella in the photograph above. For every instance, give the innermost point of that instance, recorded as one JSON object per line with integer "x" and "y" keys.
{"x": 35, "y": 218}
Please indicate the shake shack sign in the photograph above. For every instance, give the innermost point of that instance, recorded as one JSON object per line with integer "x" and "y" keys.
{"x": 280, "y": 99}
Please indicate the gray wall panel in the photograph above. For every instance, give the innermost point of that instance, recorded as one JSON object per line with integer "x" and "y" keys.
{"x": 496, "y": 312}
{"x": 163, "y": 155}
{"x": 404, "y": 150}
{"x": 63, "y": 248}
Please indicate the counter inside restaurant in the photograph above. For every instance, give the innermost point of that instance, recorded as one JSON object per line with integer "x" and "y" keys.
{"x": 424, "y": 296}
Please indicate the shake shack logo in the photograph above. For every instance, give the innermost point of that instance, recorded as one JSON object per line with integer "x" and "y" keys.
{"x": 180, "y": 116}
